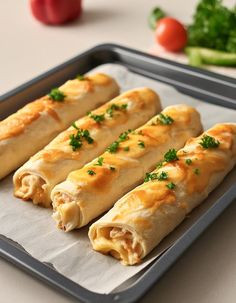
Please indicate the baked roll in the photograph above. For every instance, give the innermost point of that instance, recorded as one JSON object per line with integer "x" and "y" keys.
{"x": 141, "y": 219}
{"x": 92, "y": 190}
{"x": 32, "y": 127}
{"x": 82, "y": 142}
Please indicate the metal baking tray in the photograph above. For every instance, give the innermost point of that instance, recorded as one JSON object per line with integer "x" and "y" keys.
{"x": 204, "y": 85}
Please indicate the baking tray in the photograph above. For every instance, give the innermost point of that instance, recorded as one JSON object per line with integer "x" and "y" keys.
{"x": 204, "y": 85}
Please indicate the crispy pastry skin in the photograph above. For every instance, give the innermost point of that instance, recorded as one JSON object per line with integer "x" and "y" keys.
{"x": 37, "y": 177}
{"x": 141, "y": 219}
{"x": 83, "y": 197}
{"x": 32, "y": 127}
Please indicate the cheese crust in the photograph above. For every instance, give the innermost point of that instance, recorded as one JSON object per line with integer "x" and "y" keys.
{"x": 50, "y": 166}
{"x": 32, "y": 127}
{"x": 85, "y": 195}
{"x": 140, "y": 220}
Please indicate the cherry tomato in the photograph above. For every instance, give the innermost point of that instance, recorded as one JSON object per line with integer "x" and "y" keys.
{"x": 171, "y": 34}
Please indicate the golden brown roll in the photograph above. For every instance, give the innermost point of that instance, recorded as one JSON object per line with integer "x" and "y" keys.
{"x": 90, "y": 191}
{"x": 37, "y": 177}
{"x": 32, "y": 127}
{"x": 141, "y": 219}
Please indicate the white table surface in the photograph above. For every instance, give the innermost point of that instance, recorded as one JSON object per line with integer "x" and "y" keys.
{"x": 207, "y": 271}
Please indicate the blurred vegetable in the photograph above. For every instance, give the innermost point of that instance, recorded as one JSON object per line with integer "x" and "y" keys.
{"x": 56, "y": 11}
{"x": 214, "y": 26}
{"x": 156, "y": 14}
{"x": 199, "y": 55}
{"x": 171, "y": 34}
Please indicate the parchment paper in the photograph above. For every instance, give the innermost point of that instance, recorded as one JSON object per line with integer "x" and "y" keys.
{"x": 70, "y": 253}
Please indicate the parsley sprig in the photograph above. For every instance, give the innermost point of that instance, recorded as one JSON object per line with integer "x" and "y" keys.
{"x": 115, "y": 107}
{"x": 171, "y": 155}
{"x": 156, "y": 176}
{"x": 115, "y": 145}
{"x": 170, "y": 185}
{"x": 56, "y": 95}
{"x": 91, "y": 172}
{"x": 76, "y": 139}
{"x": 209, "y": 142}
{"x": 164, "y": 119}
{"x": 96, "y": 118}
{"x": 100, "y": 161}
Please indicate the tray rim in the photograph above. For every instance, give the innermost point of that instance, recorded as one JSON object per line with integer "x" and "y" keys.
{"x": 141, "y": 286}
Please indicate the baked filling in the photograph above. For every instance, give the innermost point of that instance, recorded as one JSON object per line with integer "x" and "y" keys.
{"x": 32, "y": 187}
{"x": 118, "y": 242}
{"x": 67, "y": 212}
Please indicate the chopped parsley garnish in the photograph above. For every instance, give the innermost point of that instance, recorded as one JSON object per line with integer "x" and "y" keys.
{"x": 171, "y": 155}
{"x": 100, "y": 161}
{"x": 112, "y": 168}
{"x": 196, "y": 171}
{"x": 162, "y": 176}
{"x": 141, "y": 144}
{"x": 56, "y": 95}
{"x": 126, "y": 148}
{"x": 76, "y": 140}
{"x": 160, "y": 164}
{"x": 113, "y": 147}
{"x": 156, "y": 176}
{"x": 124, "y": 136}
{"x": 170, "y": 185}
{"x": 165, "y": 119}
{"x": 96, "y": 118}
{"x": 209, "y": 142}
{"x": 114, "y": 107}
{"x": 91, "y": 172}
{"x": 80, "y": 77}
{"x": 188, "y": 161}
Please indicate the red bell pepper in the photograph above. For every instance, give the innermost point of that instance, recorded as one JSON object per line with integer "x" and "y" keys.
{"x": 56, "y": 11}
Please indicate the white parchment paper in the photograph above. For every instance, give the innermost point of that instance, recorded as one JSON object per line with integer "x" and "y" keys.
{"x": 70, "y": 253}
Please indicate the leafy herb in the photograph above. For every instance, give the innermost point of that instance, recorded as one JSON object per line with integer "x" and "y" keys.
{"x": 91, "y": 172}
{"x": 113, "y": 147}
{"x": 209, "y": 142}
{"x": 162, "y": 176}
{"x": 100, "y": 161}
{"x": 126, "y": 148}
{"x": 124, "y": 136}
{"x": 196, "y": 171}
{"x": 170, "y": 185}
{"x": 188, "y": 161}
{"x": 76, "y": 140}
{"x": 56, "y": 95}
{"x": 112, "y": 168}
{"x": 160, "y": 164}
{"x": 214, "y": 26}
{"x": 141, "y": 144}
{"x": 165, "y": 119}
{"x": 156, "y": 176}
{"x": 81, "y": 77}
{"x": 171, "y": 155}
{"x": 155, "y": 15}
{"x": 97, "y": 118}
{"x": 114, "y": 107}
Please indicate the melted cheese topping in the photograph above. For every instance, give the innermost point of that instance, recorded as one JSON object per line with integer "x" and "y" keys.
{"x": 153, "y": 194}
{"x": 15, "y": 124}
{"x": 152, "y": 136}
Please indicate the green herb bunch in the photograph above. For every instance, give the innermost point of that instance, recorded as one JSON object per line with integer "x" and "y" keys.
{"x": 214, "y": 26}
